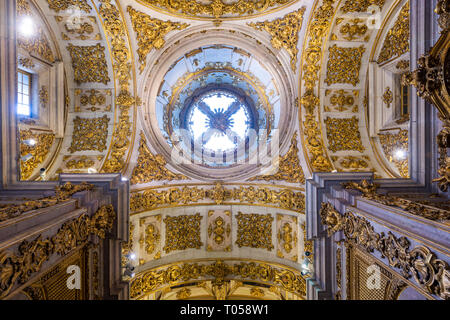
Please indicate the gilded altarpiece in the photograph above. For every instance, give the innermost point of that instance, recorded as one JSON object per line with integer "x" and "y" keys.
{"x": 287, "y": 237}
{"x": 149, "y": 238}
{"x": 219, "y": 230}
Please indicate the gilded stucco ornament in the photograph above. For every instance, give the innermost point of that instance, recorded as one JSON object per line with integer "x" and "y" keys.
{"x": 150, "y": 167}
{"x": 183, "y": 232}
{"x": 155, "y": 279}
{"x": 420, "y": 263}
{"x": 310, "y": 101}
{"x": 176, "y": 196}
{"x": 89, "y": 63}
{"x": 116, "y": 32}
{"x": 343, "y": 134}
{"x": 361, "y": 5}
{"x": 353, "y": 29}
{"x": 254, "y": 230}
{"x": 215, "y": 9}
{"x": 62, "y": 5}
{"x": 16, "y": 268}
{"x": 37, "y": 44}
{"x": 289, "y": 168}
{"x": 89, "y": 134}
{"x": 388, "y": 97}
{"x": 344, "y": 65}
{"x": 396, "y": 42}
{"x": 38, "y": 151}
{"x": 284, "y": 32}
{"x": 150, "y": 33}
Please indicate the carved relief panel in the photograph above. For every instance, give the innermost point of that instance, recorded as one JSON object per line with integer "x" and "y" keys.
{"x": 150, "y": 238}
{"x": 287, "y": 237}
{"x": 93, "y": 100}
{"x": 219, "y": 230}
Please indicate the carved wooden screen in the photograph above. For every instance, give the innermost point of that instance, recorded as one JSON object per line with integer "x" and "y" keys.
{"x": 52, "y": 285}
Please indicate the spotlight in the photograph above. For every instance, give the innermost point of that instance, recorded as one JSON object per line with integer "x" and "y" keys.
{"x": 92, "y": 170}
{"x": 400, "y": 154}
{"x": 307, "y": 267}
{"x": 30, "y": 142}
{"x": 27, "y": 27}
{"x": 129, "y": 271}
{"x": 124, "y": 179}
{"x": 132, "y": 256}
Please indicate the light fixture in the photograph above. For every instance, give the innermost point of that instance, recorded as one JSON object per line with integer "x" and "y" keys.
{"x": 132, "y": 256}
{"x": 30, "y": 142}
{"x": 129, "y": 271}
{"x": 399, "y": 154}
{"x": 307, "y": 268}
{"x": 26, "y": 27}
{"x": 92, "y": 170}
{"x": 124, "y": 179}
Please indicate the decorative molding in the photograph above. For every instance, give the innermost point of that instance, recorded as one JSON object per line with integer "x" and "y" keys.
{"x": 182, "y": 232}
{"x": 89, "y": 134}
{"x": 369, "y": 191}
{"x": 216, "y": 9}
{"x": 153, "y": 199}
{"x": 17, "y": 268}
{"x": 289, "y": 168}
{"x": 122, "y": 60}
{"x": 343, "y": 134}
{"x": 155, "y": 279}
{"x": 353, "y": 30}
{"x": 396, "y": 42}
{"x": 62, "y": 193}
{"x": 284, "y": 32}
{"x": 151, "y": 167}
{"x": 254, "y": 230}
{"x": 311, "y": 65}
{"x": 219, "y": 230}
{"x": 150, "y": 33}
{"x": 430, "y": 273}
{"x": 388, "y": 97}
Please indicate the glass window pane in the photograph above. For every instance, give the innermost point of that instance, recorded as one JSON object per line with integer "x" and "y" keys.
{"x": 19, "y": 99}
{"x": 26, "y": 89}
{"x": 25, "y": 79}
{"x": 26, "y": 100}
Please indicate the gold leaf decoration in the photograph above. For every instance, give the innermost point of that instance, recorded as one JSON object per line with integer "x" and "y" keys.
{"x": 344, "y": 65}
{"x": 183, "y": 232}
{"x": 177, "y": 273}
{"x": 289, "y": 168}
{"x": 343, "y": 134}
{"x": 152, "y": 199}
{"x": 311, "y": 65}
{"x": 254, "y": 230}
{"x": 150, "y": 33}
{"x": 89, "y": 134}
{"x": 361, "y": 5}
{"x": 151, "y": 167}
{"x": 284, "y": 32}
{"x": 396, "y": 42}
{"x": 89, "y": 63}
{"x": 62, "y": 5}
{"x": 116, "y": 32}
{"x": 215, "y": 9}
{"x": 38, "y": 151}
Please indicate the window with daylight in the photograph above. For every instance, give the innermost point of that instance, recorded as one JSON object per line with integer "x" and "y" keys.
{"x": 24, "y": 93}
{"x": 219, "y": 120}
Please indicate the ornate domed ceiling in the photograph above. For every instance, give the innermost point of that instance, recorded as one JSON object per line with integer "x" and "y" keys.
{"x": 311, "y": 85}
